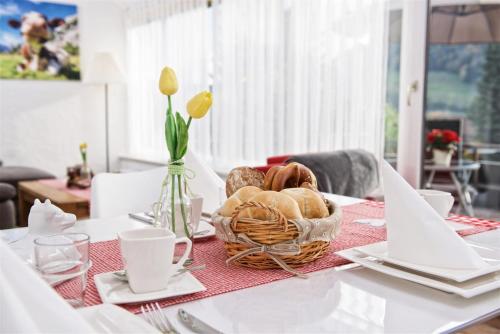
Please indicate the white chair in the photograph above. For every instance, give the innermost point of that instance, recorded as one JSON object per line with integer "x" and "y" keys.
{"x": 119, "y": 194}
{"x": 29, "y": 304}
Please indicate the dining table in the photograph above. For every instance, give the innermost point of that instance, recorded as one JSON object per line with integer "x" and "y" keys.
{"x": 342, "y": 299}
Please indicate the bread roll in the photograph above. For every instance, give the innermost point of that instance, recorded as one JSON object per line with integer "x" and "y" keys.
{"x": 241, "y": 177}
{"x": 284, "y": 203}
{"x": 239, "y": 197}
{"x": 310, "y": 203}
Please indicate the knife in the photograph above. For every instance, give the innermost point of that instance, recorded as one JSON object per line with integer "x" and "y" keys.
{"x": 141, "y": 218}
{"x": 195, "y": 324}
{"x": 206, "y": 214}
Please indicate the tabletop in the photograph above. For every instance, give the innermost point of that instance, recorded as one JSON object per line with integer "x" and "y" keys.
{"x": 43, "y": 190}
{"x": 68, "y": 200}
{"x": 456, "y": 166}
{"x": 332, "y": 300}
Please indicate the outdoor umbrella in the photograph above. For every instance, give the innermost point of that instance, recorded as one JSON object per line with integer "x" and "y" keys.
{"x": 463, "y": 24}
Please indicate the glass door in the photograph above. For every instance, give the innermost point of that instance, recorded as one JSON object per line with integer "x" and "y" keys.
{"x": 395, "y": 19}
{"x": 407, "y": 34}
{"x": 463, "y": 96}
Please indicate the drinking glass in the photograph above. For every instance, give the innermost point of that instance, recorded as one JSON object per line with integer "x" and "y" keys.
{"x": 63, "y": 261}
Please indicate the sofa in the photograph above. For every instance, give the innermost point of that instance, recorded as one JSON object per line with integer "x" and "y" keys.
{"x": 7, "y": 206}
{"x": 10, "y": 176}
{"x": 345, "y": 172}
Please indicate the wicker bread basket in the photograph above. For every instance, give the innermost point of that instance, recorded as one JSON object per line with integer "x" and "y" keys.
{"x": 276, "y": 242}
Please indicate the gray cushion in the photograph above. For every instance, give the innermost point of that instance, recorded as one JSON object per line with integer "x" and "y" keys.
{"x": 14, "y": 174}
{"x": 7, "y": 192}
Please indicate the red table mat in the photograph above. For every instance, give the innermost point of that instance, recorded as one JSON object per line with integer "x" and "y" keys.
{"x": 60, "y": 184}
{"x": 219, "y": 278}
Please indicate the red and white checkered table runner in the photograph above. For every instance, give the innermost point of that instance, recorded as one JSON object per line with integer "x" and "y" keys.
{"x": 219, "y": 278}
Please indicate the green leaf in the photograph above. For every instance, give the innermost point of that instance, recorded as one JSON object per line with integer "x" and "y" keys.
{"x": 171, "y": 134}
{"x": 182, "y": 137}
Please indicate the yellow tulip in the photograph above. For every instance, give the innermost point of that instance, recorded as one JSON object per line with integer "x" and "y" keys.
{"x": 199, "y": 104}
{"x": 83, "y": 146}
{"x": 168, "y": 81}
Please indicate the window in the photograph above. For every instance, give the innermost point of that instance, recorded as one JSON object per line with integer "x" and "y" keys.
{"x": 287, "y": 76}
{"x": 463, "y": 90}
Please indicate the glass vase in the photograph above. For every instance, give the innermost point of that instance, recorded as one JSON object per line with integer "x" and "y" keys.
{"x": 173, "y": 210}
{"x": 85, "y": 172}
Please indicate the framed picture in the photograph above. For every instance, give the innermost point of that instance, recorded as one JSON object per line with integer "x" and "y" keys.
{"x": 39, "y": 40}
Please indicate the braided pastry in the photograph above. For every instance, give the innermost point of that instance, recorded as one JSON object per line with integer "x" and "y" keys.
{"x": 271, "y": 173}
{"x": 292, "y": 175}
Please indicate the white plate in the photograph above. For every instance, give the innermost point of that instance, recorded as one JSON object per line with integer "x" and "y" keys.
{"x": 458, "y": 226}
{"x": 54, "y": 280}
{"x": 114, "y": 291}
{"x": 467, "y": 289}
{"x": 381, "y": 222}
{"x": 108, "y": 318}
{"x": 489, "y": 254}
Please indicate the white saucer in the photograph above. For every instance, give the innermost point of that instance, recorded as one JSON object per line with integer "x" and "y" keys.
{"x": 108, "y": 318}
{"x": 114, "y": 291}
{"x": 489, "y": 255}
{"x": 466, "y": 289}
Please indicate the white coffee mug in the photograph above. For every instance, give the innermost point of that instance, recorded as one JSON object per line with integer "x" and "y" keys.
{"x": 196, "y": 210}
{"x": 148, "y": 257}
{"x": 440, "y": 201}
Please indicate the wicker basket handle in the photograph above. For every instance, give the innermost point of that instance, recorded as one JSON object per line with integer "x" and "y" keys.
{"x": 276, "y": 214}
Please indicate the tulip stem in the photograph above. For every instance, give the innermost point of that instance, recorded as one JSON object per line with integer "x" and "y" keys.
{"x": 189, "y": 121}
{"x": 169, "y": 103}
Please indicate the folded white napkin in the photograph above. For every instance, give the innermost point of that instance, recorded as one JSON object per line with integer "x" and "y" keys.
{"x": 416, "y": 233}
{"x": 206, "y": 182}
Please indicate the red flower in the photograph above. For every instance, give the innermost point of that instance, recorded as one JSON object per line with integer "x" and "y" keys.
{"x": 442, "y": 137}
{"x": 450, "y": 136}
{"x": 435, "y": 133}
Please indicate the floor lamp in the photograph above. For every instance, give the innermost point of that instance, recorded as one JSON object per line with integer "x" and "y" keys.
{"x": 104, "y": 70}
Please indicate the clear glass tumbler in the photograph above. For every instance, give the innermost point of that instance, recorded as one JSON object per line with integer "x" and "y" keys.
{"x": 63, "y": 261}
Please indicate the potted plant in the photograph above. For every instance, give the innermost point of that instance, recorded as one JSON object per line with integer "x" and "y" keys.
{"x": 443, "y": 144}
{"x": 173, "y": 208}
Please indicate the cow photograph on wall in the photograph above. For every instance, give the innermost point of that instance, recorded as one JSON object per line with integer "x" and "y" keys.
{"x": 39, "y": 40}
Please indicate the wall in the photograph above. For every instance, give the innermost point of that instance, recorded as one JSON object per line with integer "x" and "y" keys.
{"x": 42, "y": 123}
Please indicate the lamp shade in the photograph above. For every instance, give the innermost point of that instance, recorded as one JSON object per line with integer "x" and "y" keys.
{"x": 103, "y": 69}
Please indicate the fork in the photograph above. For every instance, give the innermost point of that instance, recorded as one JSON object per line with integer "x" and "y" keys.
{"x": 155, "y": 316}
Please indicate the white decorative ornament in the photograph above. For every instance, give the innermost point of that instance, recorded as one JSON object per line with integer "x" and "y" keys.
{"x": 46, "y": 218}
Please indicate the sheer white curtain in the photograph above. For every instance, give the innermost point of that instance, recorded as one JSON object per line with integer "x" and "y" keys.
{"x": 249, "y": 77}
{"x": 160, "y": 33}
{"x": 289, "y": 76}
{"x": 297, "y": 76}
